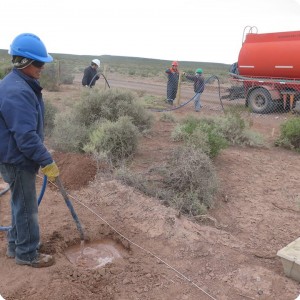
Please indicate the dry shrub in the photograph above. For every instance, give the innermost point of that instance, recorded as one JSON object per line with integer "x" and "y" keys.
{"x": 49, "y": 78}
{"x": 236, "y": 129}
{"x": 187, "y": 182}
{"x": 190, "y": 172}
{"x": 69, "y": 135}
{"x": 111, "y": 105}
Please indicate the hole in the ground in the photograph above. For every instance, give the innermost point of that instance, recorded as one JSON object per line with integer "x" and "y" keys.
{"x": 93, "y": 255}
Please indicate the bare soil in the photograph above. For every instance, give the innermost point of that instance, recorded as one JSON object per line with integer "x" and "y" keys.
{"x": 228, "y": 255}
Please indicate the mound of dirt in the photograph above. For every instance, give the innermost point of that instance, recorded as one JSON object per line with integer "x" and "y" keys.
{"x": 76, "y": 170}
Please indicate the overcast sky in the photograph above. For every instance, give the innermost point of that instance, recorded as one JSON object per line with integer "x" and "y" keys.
{"x": 186, "y": 30}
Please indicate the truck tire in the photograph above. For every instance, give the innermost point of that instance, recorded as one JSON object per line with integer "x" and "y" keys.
{"x": 260, "y": 101}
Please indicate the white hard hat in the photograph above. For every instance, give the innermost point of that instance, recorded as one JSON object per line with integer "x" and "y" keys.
{"x": 96, "y": 61}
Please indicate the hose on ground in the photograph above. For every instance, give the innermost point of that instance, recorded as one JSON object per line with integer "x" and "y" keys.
{"x": 188, "y": 101}
{"x": 103, "y": 77}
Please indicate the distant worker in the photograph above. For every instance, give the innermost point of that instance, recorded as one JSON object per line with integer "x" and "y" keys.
{"x": 90, "y": 74}
{"x": 172, "y": 85}
{"x": 199, "y": 85}
{"x": 22, "y": 151}
{"x": 234, "y": 69}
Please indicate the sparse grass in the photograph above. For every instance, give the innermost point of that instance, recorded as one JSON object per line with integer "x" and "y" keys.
{"x": 154, "y": 102}
{"x": 167, "y": 117}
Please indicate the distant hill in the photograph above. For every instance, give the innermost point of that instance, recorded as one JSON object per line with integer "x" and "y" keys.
{"x": 144, "y": 67}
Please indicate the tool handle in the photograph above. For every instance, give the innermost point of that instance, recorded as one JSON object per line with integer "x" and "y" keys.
{"x": 70, "y": 206}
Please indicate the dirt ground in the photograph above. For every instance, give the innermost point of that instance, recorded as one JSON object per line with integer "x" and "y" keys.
{"x": 229, "y": 255}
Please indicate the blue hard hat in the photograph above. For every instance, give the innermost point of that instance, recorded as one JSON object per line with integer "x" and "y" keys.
{"x": 30, "y": 46}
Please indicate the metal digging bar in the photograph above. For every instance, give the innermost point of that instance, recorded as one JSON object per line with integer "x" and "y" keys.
{"x": 70, "y": 206}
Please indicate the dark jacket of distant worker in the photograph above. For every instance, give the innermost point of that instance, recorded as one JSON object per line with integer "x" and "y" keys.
{"x": 172, "y": 85}
{"x": 22, "y": 151}
{"x": 199, "y": 85}
{"x": 90, "y": 73}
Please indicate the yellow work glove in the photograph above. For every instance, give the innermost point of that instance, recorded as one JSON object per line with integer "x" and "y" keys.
{"x": 51, "y": 171}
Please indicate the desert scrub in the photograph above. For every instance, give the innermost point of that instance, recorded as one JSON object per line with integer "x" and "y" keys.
{"x": 167, "y": 117}
{"x": 111, "y": 105}
{"x": 236, "y": 130}
{"x": 187, "y": 181}
{"x": 190, "y": 172}
{"x": 289, "y": 134}
{"x": 214, "y": 134}
{"x": 204, "y": 134}
{"x": 73, "y": 129}
{"x": 50, "y": 112}
{"x": 68, "y": 135}
{"x": 117, "y": 141}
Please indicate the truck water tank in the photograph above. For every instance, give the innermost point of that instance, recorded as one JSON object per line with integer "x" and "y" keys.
{"x": 271, "y": 55}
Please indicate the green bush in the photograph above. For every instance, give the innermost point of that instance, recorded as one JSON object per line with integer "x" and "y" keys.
{"x": 290, "y": 134}
{"x": 117, "y": 140}
{"x": 213, "y": 135}
{"x": 50, "y": 112}
{"x": 236, "y": 130}
{"x": 69, "y": 135}
{"x": 215, "y": 138}
{"x": 49, "y": 78}
{"x": 110, "y": 105}
{"x": 203, "y": 133}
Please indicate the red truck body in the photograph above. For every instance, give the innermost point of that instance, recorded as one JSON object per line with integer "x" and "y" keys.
{"x": 269, "y": 70}
{"x": 271, "y": 55}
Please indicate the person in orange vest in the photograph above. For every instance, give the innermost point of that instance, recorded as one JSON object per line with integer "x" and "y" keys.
{"x": 172, "y": 85}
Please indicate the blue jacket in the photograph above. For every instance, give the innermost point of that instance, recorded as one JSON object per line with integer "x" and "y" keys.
{"x": 22, "y": 122}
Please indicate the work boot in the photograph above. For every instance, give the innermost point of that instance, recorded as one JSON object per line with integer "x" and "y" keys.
{"x": 10, "y": 253}
{"x": 41, "y": 261}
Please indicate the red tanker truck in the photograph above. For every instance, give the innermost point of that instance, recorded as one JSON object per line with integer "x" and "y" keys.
{"x": 267, "y": 73}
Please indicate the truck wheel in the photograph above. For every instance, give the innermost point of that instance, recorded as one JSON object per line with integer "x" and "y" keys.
{"x": 260, "y": 101}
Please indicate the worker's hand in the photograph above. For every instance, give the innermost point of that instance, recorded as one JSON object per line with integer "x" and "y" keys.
{"x": 51, "y": 171}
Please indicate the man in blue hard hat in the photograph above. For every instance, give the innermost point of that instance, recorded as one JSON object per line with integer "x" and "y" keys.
{"x": 22, "y": 151}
